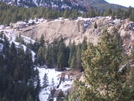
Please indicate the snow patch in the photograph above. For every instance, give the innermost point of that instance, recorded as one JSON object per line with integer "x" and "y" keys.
{"x": 1, "y": 47}
{"x": 117, "y": 21}
{"x": 56, "y": 76}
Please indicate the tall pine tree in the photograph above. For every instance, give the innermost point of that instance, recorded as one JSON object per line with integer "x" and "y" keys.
{"x": 103, "y": 80}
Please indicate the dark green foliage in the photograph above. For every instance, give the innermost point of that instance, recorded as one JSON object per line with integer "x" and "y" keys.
{"x": 17, "y": 74}
{"x": 42, "y": 41}
{"x": 95, "y": 25}
{"x": 103, "y": 81}
{"x": 58, "y": 55}
{"x": 40, "y": 55}
{"x": 108, "y": 12}
{"x": 131, "y": 16}
{"x": 13, "y": 14}
{"x": 45, "y": 81}
{"x": 62, "y": 56}
{"x": 131, "y": 76}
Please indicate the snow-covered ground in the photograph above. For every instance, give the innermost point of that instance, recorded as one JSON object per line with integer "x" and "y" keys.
{"x": 55, "y": 75}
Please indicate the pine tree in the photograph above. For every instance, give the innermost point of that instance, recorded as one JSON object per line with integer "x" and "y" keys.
{"x": 108, "y": 12}
{"x": 78, "y": 57}
{"x": 52, "y": 83}
{"x": 61, "y": 56}
{"x": 72, "y": 54}
{"x": 73, "y": 62}
{"x": 42, "y": 41}
{"x": 95, "y": 25}
{"x": 131, "y": 77}
{"x": 131, "y": 17}
{"x": 84, "y": 44}
{"x": 45, "y": 82}
{"x": 102, "y": 79}
{"x": 40, "y": 55}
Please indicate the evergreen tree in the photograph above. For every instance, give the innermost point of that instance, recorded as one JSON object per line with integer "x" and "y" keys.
{"x": 52, "y": 83}
{"x": 40, "y": 55}
{"x": 103, "y": 80}
{"x": 45, "y": 81}
{"x": 131, "y": 17}
{"x": 54, "y": 52}
{"x": 78, "y": 57}
{"x": 95, "y": 25}
{"x": 72, "y": 54}
{"x": 73, "y": 62}
{"x": 131, "y": 80}
{"x": 49, "y": 56}
{"x": 42, "y": 41}
{"x": 62, "y": 58}
{"x": 131, "y": 77}
{"x": 84, "y": 44}
{"x": 108, "y": 12}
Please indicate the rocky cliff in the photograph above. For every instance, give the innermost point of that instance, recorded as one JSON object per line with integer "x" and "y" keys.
{"x": 76, "y": 30}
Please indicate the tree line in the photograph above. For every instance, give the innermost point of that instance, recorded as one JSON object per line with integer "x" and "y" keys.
{"x": 13, "y": 14}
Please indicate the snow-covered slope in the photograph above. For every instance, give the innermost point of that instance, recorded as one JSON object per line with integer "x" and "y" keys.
{"x": 12, "y": 39}
{"x": 54, "y": 78}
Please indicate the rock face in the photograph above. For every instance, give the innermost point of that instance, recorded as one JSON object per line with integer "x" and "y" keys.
{"x": 76, "y": 30}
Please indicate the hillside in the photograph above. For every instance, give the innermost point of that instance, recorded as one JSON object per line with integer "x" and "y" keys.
{"x": 52, "y": 4}
{"x": 102, "y": 5}
{"x": 82, "y": 5}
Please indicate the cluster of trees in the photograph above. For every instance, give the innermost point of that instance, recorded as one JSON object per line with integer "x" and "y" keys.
{"x": 106, "y": 72}
{"x": 13, "y": 14}
{"x": 57, "y": 54}
{"x": 19, "y": 79}
{"x": 117, "y": 13}
{"x": 120, "y": 13}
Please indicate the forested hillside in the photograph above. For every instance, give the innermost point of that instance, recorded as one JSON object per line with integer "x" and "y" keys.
{"x": 19, "y": 60}
{"x": 13, "y": 14}
{"x": 18, "y": 78}
{"x": 81, "y": 5}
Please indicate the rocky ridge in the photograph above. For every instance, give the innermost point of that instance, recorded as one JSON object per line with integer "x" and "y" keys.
{"x": 77, "y": 30}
